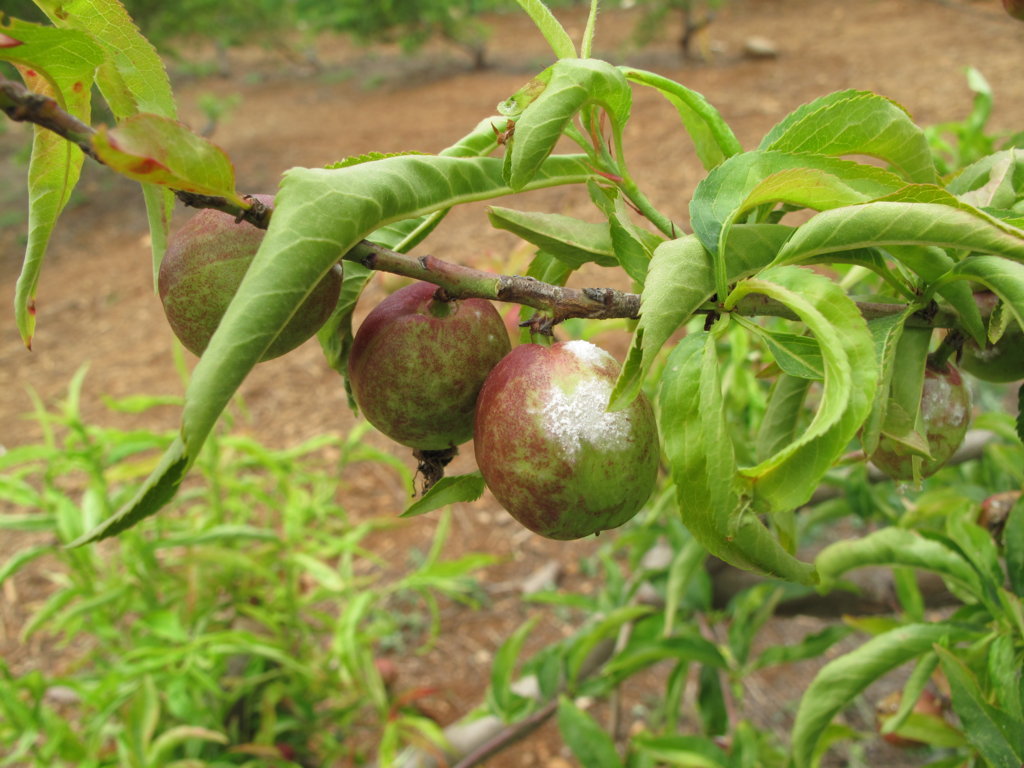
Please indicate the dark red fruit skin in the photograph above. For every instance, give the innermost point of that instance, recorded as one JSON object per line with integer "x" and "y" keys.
{"x": 600, "y": 480}
{"x": 1015, "y": 8}
{"x": 415, "y": 376}
{"x": 205, "y": 262}
{"x": 946, "y": 412}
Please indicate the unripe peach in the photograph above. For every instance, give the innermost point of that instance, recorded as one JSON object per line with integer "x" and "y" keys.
{"x": 1000, "y": 362}
{"x": 946, "y": 413}
{"x": 205, "y": 262}
{"x": 549, "y": 449}
{"x": 417, "y": 364}
{"x": 1015, "y": 8}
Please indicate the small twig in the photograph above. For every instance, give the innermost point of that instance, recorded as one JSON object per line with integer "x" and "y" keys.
{"x": 509, "y": 736}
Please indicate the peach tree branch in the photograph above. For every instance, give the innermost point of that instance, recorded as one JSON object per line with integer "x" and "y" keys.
{"x": 24, "y": 106}
{"x": 558, "y": 302}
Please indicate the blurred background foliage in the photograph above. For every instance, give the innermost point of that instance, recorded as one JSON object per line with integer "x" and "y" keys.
{"x": 408, "y": 23}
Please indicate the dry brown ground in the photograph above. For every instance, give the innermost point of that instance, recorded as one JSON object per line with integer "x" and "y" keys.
{"x": 96, "y": 304}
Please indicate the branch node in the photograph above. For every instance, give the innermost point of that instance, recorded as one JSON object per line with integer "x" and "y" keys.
{"x": 603, "y": 296}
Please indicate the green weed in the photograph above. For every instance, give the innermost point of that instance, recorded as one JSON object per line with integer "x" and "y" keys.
{"x": 244, "y": 628}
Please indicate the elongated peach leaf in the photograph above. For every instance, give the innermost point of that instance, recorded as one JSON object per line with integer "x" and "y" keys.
{"x": 856, "y": 123}
{"x": 901, "y": 223}
{"x": 840, "y": 681}
{"x": 714, "y": 500}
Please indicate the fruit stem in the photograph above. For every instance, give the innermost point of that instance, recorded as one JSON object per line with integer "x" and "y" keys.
{"x": 431, "y": 464}
{"x": 950, "y": 345}
{"x": 441, "y": 304}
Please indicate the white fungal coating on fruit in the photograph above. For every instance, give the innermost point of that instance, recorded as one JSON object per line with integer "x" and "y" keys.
{"x": 940, "y": 399}
{"x": 581, "y": 416}
{"x": 587, "y": 352}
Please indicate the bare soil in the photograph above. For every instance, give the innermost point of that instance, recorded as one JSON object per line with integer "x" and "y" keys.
{"x": 96, "y": 304}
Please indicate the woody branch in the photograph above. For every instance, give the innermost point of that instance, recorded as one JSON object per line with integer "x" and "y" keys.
{"x": 454, "y": 280}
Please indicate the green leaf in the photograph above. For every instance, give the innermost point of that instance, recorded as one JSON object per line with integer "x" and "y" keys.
{"x": 648, "y": 652}
{"x": 500, "y": 695}
{"x": 1020, "y": 413}
{"x": 892, "y": 547}
{"x": 368, "y": 157}
{"x": 680, "y": 279}
{"x": 155, "y": 492}
{"x": 787, "y": 479}
{"x": 1013, "y": 540}
{"x": 856, "y": 123}
{"x": 335, "y": 336}
{"x": 711, "y": 704}
{"x": 545, "y": 21}
{"x": 572, "y": 84}
{"x": 991, "y": 731}
{"x": 567, "y": 238}
{"x": 156, "y": 150}
{"x": 914, "y": 686}
{"x": 756, "y": 178}
{"x": 781, "y": 422}
{"x": 994, "y": 181}
{"x": 589, "y": 742}
{"x": 1007, "y": 676}
{"x": 60, "y": 64}
{"x": 888, "y": 333}
{"x": 976, "y": 545}
{"x": 320, "y": 216}
{"x": 633, "y": 245}
{"x": 744, "y": 182}
{"x": 810, "y": 647}
{"x": 1003, "y": 277}
{"x": 180, "y": 734}
{"x": 796, "y": 355}
{"x": 689, "y": 751}
{"x": 901, "y": 409}
{"x": 133, "y": 78}
{"x": 64, "y": 58}
{"x": 703, "y": 465}
{"x": 712, "y": 137}
{"x": 21, "y": 558}
{"x": 447, "y": 490}
{"x": 894, "y": 223}
{"x": 841, "y": 680}
{"x": 606, "y": 626}
{"x": 226, "y": 532}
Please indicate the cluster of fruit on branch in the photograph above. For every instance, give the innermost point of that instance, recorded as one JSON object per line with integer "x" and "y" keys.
{"x": 432, "y": 372}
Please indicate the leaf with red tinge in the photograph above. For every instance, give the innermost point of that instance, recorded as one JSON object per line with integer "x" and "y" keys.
{"x": 132, "y": 79}
{"x": 158, "y": 150}
{"x": 59, "y": 64}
